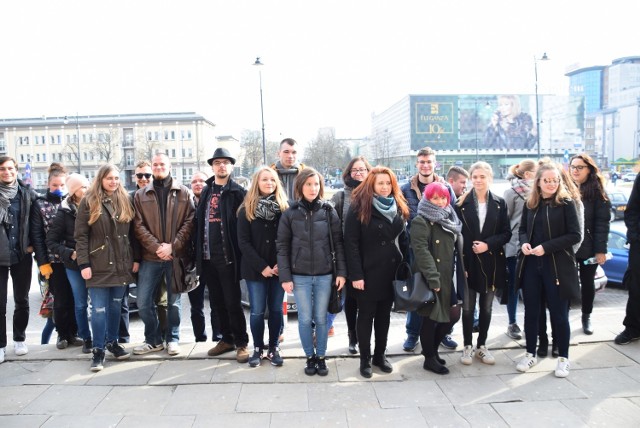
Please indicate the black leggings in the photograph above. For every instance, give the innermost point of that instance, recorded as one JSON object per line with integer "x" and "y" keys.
{"x": 432, "y": 332}
{"x": 587, "y": 285}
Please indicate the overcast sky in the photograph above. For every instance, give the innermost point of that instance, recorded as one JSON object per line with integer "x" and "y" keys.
{"x": 326, "y": 63}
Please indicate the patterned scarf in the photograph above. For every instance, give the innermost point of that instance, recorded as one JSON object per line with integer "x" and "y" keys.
{"x": 445, "y": 217}
{"x": 7, "y": 192}
{"x": 267, "y": 209}
{"x": 386, "y": 206}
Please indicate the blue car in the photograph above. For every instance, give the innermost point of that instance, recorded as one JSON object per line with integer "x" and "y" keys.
{"x": 616, "y": 267}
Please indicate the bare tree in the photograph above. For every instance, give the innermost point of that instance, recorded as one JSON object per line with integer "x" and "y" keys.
{"x": 147, "y": 148}
{"x": 106, "y": 147}
{"x": 251, "y": 144}
{"x": 381, "y": 147}
{"x": 325, "y": 153}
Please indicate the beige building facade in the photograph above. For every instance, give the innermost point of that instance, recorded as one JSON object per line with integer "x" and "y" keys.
{"x": 85, "y": 143}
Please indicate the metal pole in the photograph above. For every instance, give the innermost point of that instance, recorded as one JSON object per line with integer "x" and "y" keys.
{"x": 475, "y": 102}
{"x": 78, "y": 137}
{"x": 535, "y": 69}
{"x": 264, "y": 143}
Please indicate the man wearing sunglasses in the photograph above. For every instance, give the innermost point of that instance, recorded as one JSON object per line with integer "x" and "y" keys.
{"x": 142, "y": 176}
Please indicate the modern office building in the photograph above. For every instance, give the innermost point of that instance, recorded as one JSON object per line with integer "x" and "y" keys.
{"x": 612, "y": 101}
{"x": 84, "y": 143}
{"x": 462, "y": 128}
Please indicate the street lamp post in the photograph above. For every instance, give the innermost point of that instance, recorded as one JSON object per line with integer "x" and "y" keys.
{"x": 535, "y": 69}
{"x": 66, "y": 121}
{"x": 264, "y": 142}
{"x": 475, "y": 104}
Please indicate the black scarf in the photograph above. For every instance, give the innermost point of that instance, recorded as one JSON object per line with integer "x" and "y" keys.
{"x": 267, "y": 208}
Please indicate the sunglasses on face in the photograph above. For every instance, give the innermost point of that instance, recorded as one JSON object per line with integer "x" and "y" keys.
{"x": 145, "y": 175}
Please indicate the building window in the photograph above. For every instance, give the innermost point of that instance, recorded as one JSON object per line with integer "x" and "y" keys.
{"x": 21, "y": 158}
{"x": 44, "y": 157}
{"x": 189, "y": 152}
{"x": 173, "y": 153}
{"x": 149, "y": 136}
{"x": 157, "y": 135}
{"x": 37, "y": 157}
{"x": 173, "y": 135}
{"x": 188, "y": 134}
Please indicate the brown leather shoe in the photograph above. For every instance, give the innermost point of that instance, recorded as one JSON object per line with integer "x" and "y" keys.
{"x": 220, "y": 349}
{"x": 242, "y": 354}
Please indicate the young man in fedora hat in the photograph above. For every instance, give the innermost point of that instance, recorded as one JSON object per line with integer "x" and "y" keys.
{"x": 217, "y": 253}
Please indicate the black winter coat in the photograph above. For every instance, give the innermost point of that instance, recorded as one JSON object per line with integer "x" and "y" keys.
{"x": 303, "y": 241}
{"x": 372, "y": 253}
{"x": 596, "y": 228}
{"x": 562, "y": 232}
{"x": 257, "y": 242}
{"x": 231, "y": 198}
{"x": 27, "y": 198}
{"x": 487, "y": 271}
{"x": 46, "y": 208}
{"x": 60, "y": 240}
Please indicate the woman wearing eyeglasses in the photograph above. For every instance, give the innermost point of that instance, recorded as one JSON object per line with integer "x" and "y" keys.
{"x": 354, "y": 174}
{"x": 597, "y": 207}
{"x": 546, "y": 267}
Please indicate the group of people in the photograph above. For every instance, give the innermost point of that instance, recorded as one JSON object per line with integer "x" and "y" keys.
{"x": 281, "y": 236}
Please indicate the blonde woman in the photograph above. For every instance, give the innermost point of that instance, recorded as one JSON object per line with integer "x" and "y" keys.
{"x": 547, "y": 271}
{"x": 485, "y": 229}
{"x": 105, "y": 258}
{"x": 258, "y": 219}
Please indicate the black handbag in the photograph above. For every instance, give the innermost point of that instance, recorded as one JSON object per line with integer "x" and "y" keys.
{"x": 411, "y": 291}
{"x": 335, "y": 298}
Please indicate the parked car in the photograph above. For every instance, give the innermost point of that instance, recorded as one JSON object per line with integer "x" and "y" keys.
{"x": 618, "y": 205}
{"x": 617, "y": 245}
{"x": 337, "y": 184}
{"x": 630, "y": 176}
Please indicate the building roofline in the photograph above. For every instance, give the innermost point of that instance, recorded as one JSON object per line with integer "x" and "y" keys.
{"x": 101, "y": 119}
{"x": 585, "y": 69}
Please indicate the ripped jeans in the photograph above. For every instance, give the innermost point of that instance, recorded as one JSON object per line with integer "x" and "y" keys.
{"x": 105, "y": 314}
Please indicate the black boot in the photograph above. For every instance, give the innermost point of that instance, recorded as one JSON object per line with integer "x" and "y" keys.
{"x": 543, "y": 347}
{"x": 587, "y": 328}
{"x": 432, "y": 364}
{"x": 381, "y": 361}
{"x": 353, "y": 342}
{"x": 365, "y": 366}
{"x": 554, "y": 350}
{"x": 440, "y": 360}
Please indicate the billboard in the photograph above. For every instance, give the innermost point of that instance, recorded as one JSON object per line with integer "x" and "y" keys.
{"x": 497, "y": 122}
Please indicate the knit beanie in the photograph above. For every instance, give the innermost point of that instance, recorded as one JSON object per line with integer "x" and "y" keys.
{"x": 76, "y": 181}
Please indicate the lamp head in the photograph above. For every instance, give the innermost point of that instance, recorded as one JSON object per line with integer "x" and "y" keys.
{"x": 258, "y": 61}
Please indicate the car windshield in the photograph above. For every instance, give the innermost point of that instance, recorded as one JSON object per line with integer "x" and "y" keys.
{"x": 617, "y": 197}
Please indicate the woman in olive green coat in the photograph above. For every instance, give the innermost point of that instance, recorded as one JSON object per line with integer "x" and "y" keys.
{"x": 437, "y": 244}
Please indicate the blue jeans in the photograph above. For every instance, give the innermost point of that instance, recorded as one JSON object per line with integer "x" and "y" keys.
{"x": 512, "y": 304}
{"x": 149, "y": 277}
{"x": 262, "y": 294}
{"x": 105, "y": 314}
{"x": 80, "y": 293}
{"x": 47, "y": 331}
{"x": 312, "y": 297}
{"x": 414, "y": 324}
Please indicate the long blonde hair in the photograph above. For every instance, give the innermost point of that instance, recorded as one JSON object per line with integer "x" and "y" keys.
{"x": 253, "y": 194}
{"x": 564, "y": 191}
{"x": 120, "y": 198}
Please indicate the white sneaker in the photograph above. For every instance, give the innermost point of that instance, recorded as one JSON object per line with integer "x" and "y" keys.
{"x": 145, "y": 348}
{"x": 467, "y": 355}
{"x": 562, "y": 369}
{"x": 20, "y": 348}
{"x": 484, "y": 355}
{"x": 528, "y": 361}
{"x": 173, "y": 348}
{"x": 1, "y": 355}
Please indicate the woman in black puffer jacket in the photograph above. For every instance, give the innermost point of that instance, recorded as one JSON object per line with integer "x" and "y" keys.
{"x": 60, "y": 241}
{"x": 305, "y": 232}
{"x": 597, "y": 207}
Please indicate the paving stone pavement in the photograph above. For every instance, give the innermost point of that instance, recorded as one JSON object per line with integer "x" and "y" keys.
{"x": 51, "y": 388}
